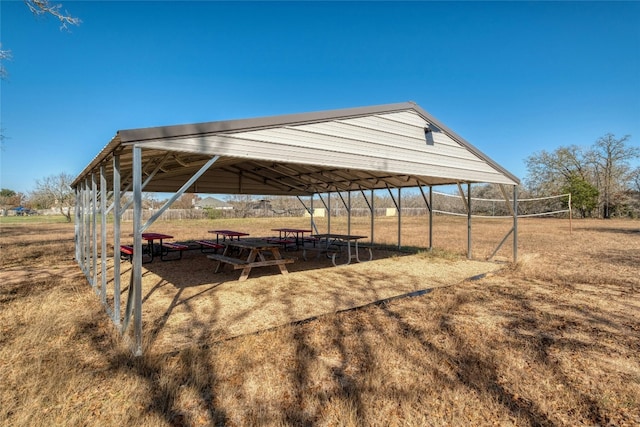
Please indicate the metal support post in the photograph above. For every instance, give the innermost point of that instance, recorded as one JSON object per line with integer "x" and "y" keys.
{"x": 116, "y": 240}
{"x": 312, "y": 221}
{"x": 179, "y": 193}
{"x": 373, "y": 214}
{"x": 327, "y": 208}
{"x": 469, "y": 220}
{"x": 430, "y": 218}
{"x": 137, "y": 251}
{"x": 87, "y": 231}
{"x": 429, "y": 203}
{"x": 347, "y": 206}
{"x": 349, "y": 212}
{"x": 515, "y": 223}
{"x": 329, "y": 212}
{"x": 76, "y": 224}
{"x": 397, "y": 204}
{"x": 94, "y": 232}
{"x": 370, "y": 206}
{"x": 103, "y": 235}
{"x": 399, "y": 218}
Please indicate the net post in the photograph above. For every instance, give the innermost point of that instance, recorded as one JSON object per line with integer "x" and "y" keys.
{"x": 373, "y": 214}
{"x": 570, "y": 217}
{"x": 515, "y": 224}
{"x": 468, "y": 220}
{"x": 430, "y": 218}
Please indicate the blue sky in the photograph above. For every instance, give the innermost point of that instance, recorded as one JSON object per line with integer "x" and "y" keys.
{"x": 512, "y": 78}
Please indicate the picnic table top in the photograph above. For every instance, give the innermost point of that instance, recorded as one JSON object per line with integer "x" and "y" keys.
{"x": 339, "y": 236}
{"x": 229, "y": 232}
{"x": 253, "y": 244}
{"x": 153, "y": 236}
{"x": 292, "y": 230}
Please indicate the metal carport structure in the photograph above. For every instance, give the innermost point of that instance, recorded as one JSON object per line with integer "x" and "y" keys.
{"x": 391, "y": 146}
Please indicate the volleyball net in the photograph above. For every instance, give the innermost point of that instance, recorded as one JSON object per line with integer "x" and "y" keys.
{"x": 551, "y": 206}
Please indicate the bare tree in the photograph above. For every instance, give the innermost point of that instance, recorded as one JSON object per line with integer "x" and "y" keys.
{"x": 635, "y": 179}
{"x": 186, "y": 201}
{"x": 242, "y": 204}
{"x": 151, "y": 201}
{"x": 55, "y": 192}
{"x": 605, "y": 166}
{"x": 610, "y": 157}
{"x": 548, "y": 172}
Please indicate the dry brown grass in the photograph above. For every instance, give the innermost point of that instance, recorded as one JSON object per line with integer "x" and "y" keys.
{"x": 553, "y": 340}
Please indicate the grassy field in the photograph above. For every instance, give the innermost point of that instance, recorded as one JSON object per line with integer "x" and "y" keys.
{"x": 552, "y": 340}
{"x": 33, "y": 219}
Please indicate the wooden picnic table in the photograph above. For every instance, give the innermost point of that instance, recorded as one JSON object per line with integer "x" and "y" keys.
{"x": 256, "y": 256}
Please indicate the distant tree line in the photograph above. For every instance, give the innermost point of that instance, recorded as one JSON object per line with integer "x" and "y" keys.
{"x": 600, "y": 177}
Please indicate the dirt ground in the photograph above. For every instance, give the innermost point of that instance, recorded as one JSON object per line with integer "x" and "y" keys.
{"x": 551, "y": 340}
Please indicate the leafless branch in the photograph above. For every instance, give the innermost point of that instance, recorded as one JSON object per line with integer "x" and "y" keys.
{"x": 5, "y": 55}
{"x": 43, "y": 7}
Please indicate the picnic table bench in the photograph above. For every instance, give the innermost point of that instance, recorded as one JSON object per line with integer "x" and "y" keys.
{"x": 126, "y": 253}
{"x": 168, "y": 247}
{"x": 205, "y": 245}
{"x": 280, "y": 241}
{"x": 235, "y": 262}
{"x": 238, "y": 263}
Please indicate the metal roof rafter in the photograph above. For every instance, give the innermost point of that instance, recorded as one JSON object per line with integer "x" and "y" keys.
{"x": 307, "y": 175}
{"x": 180, "y": 192}
{"x": 338, "y": 185}
{"x": 281, "y": 177}
{"x": 380, "y": 179}
{"x": 256, "y": 178}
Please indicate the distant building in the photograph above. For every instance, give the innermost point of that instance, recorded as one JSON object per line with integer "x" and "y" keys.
{"x": 263, "y": 204}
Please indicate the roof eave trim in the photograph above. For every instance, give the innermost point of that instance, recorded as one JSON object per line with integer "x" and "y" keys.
{"x": 428, "y": 117}
{"x": 143, "y": 134}
{"x": 104, "y": 154}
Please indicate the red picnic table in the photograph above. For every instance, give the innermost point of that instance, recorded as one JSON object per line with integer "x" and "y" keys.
{"x": 151, "y": 249}
{"x": 163, "y": 248}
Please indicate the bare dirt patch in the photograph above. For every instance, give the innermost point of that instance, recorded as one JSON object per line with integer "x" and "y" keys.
{"x": 185, "y": 300}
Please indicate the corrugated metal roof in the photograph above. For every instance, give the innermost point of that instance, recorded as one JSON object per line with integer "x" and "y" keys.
{"x": 338, "y": 150}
